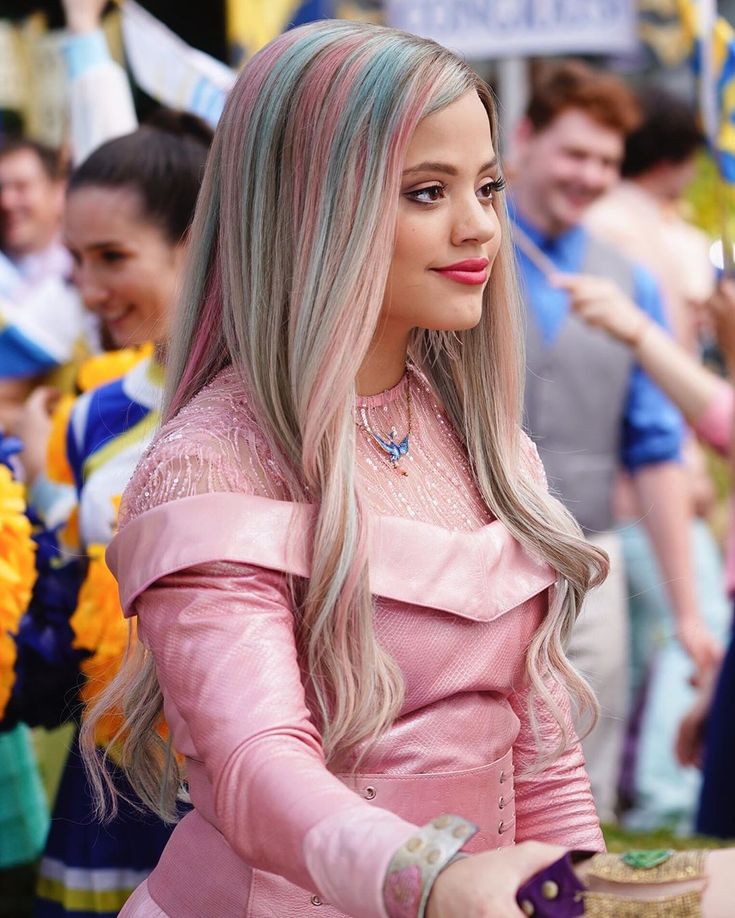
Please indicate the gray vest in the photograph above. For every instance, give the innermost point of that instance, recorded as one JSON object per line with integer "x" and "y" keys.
{"x": 576, "y": 391}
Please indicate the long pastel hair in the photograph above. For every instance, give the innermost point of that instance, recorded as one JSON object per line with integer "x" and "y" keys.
{"x": 290, "y": 251}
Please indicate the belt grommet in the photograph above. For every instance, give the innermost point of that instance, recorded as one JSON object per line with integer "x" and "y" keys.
{"x": 315, "y": 900}
{"x": 370, "y": 793}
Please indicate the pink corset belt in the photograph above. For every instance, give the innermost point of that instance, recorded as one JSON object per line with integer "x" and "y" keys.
{"x": 199, "y": 875}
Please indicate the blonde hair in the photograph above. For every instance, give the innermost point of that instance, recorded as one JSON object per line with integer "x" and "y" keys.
{"x": 290, "y": 251}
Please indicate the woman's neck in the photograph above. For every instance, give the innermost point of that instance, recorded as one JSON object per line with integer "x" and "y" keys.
{"x": 385, "y": 363}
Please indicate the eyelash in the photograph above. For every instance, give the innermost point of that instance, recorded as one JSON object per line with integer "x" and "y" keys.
{"x": 495, "y": 186}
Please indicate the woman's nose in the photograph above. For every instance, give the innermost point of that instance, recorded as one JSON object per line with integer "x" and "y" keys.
{"x": 92, "y": 293}
{"x": 475, "y": 221}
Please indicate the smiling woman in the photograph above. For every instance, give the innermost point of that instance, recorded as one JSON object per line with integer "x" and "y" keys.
{"x": 349, "y": 580}
{"x": 127, "y": 215}
{"x": 124, "y": 267}
{"x": 447, "y": 237}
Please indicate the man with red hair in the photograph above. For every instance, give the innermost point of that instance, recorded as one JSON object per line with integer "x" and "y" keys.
{"x": 589, "y": 407}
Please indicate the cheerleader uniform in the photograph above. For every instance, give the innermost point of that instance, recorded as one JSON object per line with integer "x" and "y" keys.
{"x": 88, "y": 868}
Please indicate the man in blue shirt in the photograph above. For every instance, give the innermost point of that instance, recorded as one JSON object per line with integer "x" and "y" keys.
{"x": 590, "y": 409}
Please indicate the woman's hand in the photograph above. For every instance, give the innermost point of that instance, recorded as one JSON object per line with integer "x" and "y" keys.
{"x": 602, "y": 304}
{"x": 690, "y": 738}
{"x": 83, "y": 15}
{"x": 33, "y": 427}
{"x": 704, "y": 650}
{"x": 485, "y": 885}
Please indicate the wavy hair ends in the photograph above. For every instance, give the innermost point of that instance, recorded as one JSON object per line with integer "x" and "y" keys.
{"x": 289, "y": 255}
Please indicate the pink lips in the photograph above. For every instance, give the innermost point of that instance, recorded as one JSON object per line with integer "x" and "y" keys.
{"x": 471, "y": 271}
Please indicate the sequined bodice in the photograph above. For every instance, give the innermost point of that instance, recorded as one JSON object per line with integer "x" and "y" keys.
{"x": 438, "y": 486}
{"x": 214, "y": 444}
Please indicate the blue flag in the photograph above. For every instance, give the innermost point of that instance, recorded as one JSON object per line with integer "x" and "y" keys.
{"x": 717, "y": 81}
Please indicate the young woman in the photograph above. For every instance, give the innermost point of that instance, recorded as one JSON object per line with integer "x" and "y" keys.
{"x": 350, "y": 584}
{"x": 128, "y": 211}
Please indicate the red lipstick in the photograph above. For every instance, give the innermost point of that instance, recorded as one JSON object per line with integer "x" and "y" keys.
{"x": 471, "y": 271}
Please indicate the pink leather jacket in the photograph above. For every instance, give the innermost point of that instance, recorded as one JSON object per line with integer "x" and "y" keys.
{"x": 274, "y": 832}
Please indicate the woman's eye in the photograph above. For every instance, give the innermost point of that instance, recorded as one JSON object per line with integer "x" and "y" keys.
{"x": 110, "y": 257}
{"x": 427, "y": 195}
{"x": 488, "y": 191}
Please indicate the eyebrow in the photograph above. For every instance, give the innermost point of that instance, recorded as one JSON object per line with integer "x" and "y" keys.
{"x": 446, "y": 168}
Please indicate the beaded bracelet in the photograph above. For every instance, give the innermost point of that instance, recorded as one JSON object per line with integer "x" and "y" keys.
{"x": 419, "y": 861}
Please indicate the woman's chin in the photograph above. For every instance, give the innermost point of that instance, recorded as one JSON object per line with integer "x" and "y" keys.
{"x": 463, "y": 319}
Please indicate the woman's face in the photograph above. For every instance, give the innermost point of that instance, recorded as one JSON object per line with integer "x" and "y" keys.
{"x": 448, "y": 234}
{"x": 125, "y": 267}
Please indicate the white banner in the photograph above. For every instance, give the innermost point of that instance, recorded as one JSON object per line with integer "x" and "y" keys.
{"x": 504, "y": 28}
{"x": 169, "y": 70}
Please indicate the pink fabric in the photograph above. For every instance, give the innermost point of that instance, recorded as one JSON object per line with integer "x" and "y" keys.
{"x": 142, "y": 905}
{"x": 715, "y": 424}
{"x": 276, "y": 538}
{"x": 456, "y": 606}
{"x": 715, "y": 427}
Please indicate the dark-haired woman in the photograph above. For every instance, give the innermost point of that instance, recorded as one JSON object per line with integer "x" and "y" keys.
{"x": 127, "y": 216}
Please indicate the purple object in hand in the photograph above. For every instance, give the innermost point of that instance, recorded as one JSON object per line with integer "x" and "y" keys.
{"x": 554, "y": 892}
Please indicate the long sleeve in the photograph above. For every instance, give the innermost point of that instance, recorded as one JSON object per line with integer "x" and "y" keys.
{"x": 715, "y": 425}
{"x": 100, "y": 98}
{"x": 553, "y": 804}
{"x": 653, "y": 427}
{"x": 223, "y": 642}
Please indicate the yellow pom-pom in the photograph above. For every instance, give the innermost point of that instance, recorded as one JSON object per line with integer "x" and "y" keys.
{"x": 98, "y": 622}
{"x": 105, "y": 368}
{"x": 69, "y": 536}
{"x": 57, "y": 463}
{"x": 99, "y": 627}
{"x": 17, "y": 574}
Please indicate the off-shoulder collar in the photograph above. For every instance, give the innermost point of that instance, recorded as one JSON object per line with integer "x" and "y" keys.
{"x": 476, "y": 575}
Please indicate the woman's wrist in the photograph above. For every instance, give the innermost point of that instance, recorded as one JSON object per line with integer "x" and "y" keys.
{"x": 82, "y": 26}
{"x": 638, "y": 332}
{"x": 415, "y": 866}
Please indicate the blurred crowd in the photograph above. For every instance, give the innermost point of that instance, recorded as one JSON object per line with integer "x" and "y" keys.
{"x": 623, "y": 301}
